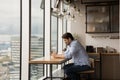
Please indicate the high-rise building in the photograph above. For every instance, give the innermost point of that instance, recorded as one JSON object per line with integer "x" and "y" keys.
{"x": 36, "y": 49}
{"x": 15, "y": 57}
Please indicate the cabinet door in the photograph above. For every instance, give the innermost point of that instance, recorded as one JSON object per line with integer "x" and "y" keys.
{"x": 115, "y": 18}
{"x": 110, "y": 66}
{"x": 97, "y": 19}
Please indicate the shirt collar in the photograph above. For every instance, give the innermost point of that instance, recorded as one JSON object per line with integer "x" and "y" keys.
{"x": 71, "y": 43}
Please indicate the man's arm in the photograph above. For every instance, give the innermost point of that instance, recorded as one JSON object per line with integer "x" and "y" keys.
{"x": 58, "y": 55}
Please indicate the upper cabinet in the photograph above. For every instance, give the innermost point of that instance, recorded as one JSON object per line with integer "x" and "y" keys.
{"x": 114, "y": 18}
{"x": 102, "y": 18}
{"x": 99, "y": 1}
{"x": 98, "y": 18}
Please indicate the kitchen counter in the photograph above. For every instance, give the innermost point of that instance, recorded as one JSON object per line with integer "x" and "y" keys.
{"x": 94, "y": 55}
{"x": 110, "y": 66}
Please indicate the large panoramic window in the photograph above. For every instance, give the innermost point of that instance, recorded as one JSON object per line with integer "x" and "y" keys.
{"x": 65, "y": 7}
{"x": 10, "y": 49}
{"x": 64, "y": 30}
{"x": 36, "y": 37}
{"x": 54, "y": 31}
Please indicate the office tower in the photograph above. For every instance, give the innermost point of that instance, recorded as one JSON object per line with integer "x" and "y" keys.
{"x": 15, "y": 57}
{"x": 36, "y": 51}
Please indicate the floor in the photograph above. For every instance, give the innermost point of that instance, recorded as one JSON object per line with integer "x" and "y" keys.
{"x": 59, "y": 73}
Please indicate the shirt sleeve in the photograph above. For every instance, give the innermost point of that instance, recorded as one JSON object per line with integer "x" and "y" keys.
{"x": 67, "y": 55}
{"x": 71, "y": 50}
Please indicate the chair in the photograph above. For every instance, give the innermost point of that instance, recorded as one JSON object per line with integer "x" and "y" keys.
{"x": 87, "y": 74}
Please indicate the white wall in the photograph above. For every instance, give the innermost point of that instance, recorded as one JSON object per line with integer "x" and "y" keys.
{"x": 102, "y": 40}
{"x": 79, "y": 27}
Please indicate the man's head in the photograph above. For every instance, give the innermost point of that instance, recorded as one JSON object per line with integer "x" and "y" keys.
{"x": 68, "y": 38}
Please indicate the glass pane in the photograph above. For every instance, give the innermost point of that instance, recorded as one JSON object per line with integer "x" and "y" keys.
{"x": 115, "y": 18}
{"x": 54, "y": 32}
{"x": 53, "y": 3}
{"x": 10, "y": 39}
{"x": 64, "y": 31}
{"x": 36, "y": 71}
{"x": 65, "y": 7}
{"x": 98, "y": 19}
{"x": 36, "y": 46}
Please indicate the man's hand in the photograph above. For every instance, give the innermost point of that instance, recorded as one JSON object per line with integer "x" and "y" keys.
{"x": 53, "y": 54}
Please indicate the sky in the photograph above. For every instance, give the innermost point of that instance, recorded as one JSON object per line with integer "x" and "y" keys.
{"x": 9, "y": 16}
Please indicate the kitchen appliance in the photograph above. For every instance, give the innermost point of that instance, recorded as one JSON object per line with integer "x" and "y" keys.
{"x": 90, "y": 49}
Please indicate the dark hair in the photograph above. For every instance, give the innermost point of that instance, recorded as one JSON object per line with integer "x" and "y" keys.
{"x": 67, "y": 35}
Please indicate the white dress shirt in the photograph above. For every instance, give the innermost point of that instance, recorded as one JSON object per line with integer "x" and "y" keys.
{"x": 78, "y": 53}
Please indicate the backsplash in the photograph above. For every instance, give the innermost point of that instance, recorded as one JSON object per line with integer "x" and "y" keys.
{"x": 103, "y": 40}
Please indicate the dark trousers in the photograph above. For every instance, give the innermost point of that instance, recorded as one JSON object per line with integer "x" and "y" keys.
{"x": 72, "y": 70}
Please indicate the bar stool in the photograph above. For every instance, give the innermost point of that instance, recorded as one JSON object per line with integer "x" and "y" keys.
{"x": 87, "y": 74}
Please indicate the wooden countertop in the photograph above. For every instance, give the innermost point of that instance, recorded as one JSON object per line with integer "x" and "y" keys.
{"x": 110, "y": 54}
{"x": 46, "y": 61}
{"x": 93, "y": 53}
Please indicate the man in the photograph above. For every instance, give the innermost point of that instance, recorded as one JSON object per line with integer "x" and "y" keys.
{"x": 77, "y": 53}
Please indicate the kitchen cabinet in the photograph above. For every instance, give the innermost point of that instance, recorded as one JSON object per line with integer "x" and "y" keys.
{"x": 115, "y": 18}
{"x": 102, "y": 18}
{"x": 98, "y": 1}
{"x": 110, "y": 66}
